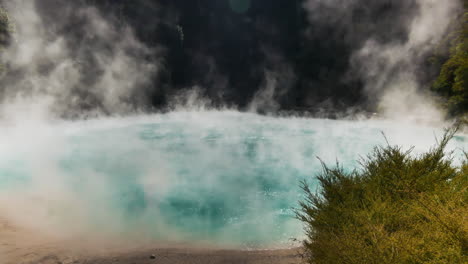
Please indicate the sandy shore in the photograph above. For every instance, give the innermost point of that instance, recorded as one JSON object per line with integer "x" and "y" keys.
{"x": 20, "y": 246}
{"x": 202, "y": 256}
{"x": 173, "y": 256}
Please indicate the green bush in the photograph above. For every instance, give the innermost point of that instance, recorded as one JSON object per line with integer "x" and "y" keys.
{"x": 397, "y": 208}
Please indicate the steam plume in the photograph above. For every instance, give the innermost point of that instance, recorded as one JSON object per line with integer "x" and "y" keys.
{"x": 389, "y": 65}
{"x": 75, "y": 61}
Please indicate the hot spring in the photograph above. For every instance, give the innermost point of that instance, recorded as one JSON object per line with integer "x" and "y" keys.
{"x": 215, "y": 177}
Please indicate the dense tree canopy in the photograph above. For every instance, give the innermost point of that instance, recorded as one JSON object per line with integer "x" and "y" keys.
{"x": 5, "y": 28}
{"x": 230, "y": 48}
{"x": 453, "y": 79}
{"x": 233, "y": 48}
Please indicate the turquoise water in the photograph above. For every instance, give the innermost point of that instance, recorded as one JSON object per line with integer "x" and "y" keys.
{"x": 222, "y": 178}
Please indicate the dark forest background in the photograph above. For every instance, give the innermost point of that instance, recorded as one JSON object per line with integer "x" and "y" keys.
{"x": 230, "y": 48}
{"x": 226, "y": 46}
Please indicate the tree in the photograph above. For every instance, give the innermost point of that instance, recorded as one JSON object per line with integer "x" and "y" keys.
{"x": 452, "y": 81}
{"x": 6, "y": 28}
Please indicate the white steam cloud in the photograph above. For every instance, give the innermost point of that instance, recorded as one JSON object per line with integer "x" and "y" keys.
{"x": 390, "y": 68}
{"x": 74, "y": 63}
{"x": 278, "y": 78}
{"x": 100, "y": 67}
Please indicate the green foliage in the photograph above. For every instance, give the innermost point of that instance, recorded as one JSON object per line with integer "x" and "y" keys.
{"x": 452, "y": 81}
{"x": 6, "y": 28}
{"x": 397, "y": 209}
{"x": 6, "y": 32}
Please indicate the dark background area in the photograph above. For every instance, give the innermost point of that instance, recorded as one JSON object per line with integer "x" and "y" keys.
{"x": 226, "y": 47}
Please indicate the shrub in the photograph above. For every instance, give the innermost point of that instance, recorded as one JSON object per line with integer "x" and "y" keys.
{"x": 398, "y": 208}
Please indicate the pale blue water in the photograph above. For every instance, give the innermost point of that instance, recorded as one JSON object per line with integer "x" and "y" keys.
{"x": 221, "y": 178}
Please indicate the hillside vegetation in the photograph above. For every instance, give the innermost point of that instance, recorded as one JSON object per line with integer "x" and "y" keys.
{"x": 452, "y": 82}
{"x": 6, "y": 30}
{"x": 310, "y": 57}
{"x": 5, "y": 27}
{"x": 398, "y": 208}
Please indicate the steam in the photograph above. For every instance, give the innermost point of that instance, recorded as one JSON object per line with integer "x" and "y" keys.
{"x": 390, "y": 67}
{"x": 278, "y": 78}
{"x": 215, "y": 177}
{"x": 78, "y": 63}
{"x": 75, "y": 62}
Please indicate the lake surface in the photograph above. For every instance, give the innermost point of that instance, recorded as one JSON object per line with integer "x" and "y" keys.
{"x": 223, "y": 178}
